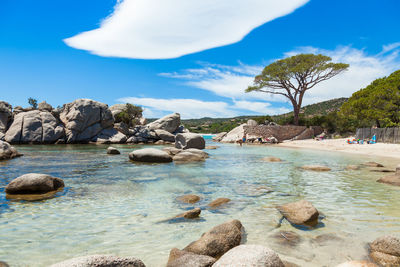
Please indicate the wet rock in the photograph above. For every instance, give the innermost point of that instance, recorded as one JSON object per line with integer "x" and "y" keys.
{"x": 190, "y": 214}
{"x": 150, "y": 155}
{"x": 325, "y": 239}
{"x": 7, "y": 151}
{"x": 357, "y": 264}
{"x": 317, "y": 168}
{"x": 218, "y": 202}
{"x": 272, "y": 159}
{"x": 34, "y": 183}
{"x": 172, "y": 150}
{"x": 181, "y": 258}
{"x": 189, "y": 140}
{"x": 252, "y": 190}
{"x": 84, "y": 119}
{"x": 300, "y": 213}
{"x": 34, "y": 127}
{"x": 190, "y": 199}
{"x": 352, "y": 167}
{"x": 101, "y": 261}
{"x": 381, "y": 170}
{"x": 4, "y": 264}
{"x": 385, "y": 251}
{"x": 219, "y": 137}
{"x": 218, "y": 240}
{"x": 211, "y": 147}
{"x": 391, "y": 179}
{"x": 169, "y": 123}
{"x": 250, "y": 255}
{"x": 113, "y": 151}
{"x": 43, "y": 106}
{"x": 165, "y": 135}
{"x": 287, "y": 238}
{"x": 372, "y": 164}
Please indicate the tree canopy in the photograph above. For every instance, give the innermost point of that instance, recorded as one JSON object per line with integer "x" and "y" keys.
{"x": 130, "y": 114}
{"x": 293, "y": 76}
{"x": 378, "y": 103}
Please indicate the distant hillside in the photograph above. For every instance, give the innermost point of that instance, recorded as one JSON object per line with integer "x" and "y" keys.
{"x": 217, "y": 125}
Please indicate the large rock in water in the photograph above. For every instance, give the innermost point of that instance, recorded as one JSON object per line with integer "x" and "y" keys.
{"x": 218, "y": 240}
{"x": 181, "y": 258}
{"x": 169, "y": 123}
{"x": 110, "y": 136}
{"x": 34, "y": 183}
{"x": 234, "y": 135}
{"x": 5, "y": 116}
{"x": 250, "y": 255}
{"x": 35, "y": 126}
{"x": 300, "y": 213}
{"x": 165, "y": 135}
{"x": 84, "y": 119}
{"x": 391, "y": 179}
{"x": 101, "y": 261}
{"x": 7, "y": 151}
{"x": 189, "y": 140}
{"x": 385, "y": 251}
{"x": 150, "y": 155}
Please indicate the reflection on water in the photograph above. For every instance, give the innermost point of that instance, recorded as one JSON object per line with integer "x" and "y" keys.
{"x": 112, "y": 206}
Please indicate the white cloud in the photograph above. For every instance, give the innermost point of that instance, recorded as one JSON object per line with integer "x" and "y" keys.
{"x": 192, "y": 108}
{"x": 231, "y": 81}
{"x": 159, "y": 29}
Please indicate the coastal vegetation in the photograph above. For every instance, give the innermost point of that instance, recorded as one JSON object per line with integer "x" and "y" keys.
{"x": 292, "y": 77}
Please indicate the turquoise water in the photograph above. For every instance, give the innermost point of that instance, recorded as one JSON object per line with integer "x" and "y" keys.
{"x": 113, "y": 206}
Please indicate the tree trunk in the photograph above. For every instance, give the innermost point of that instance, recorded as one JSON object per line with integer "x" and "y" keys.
{"x": 296, "y": 113}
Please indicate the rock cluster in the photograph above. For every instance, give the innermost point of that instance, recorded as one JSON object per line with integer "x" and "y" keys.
{"x": 86, "y": 120}
{"x": 7, "y": 151}
{"x": 385, "y": 251}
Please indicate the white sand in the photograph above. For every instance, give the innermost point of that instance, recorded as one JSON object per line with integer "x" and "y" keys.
{"x": 340, "y": 145}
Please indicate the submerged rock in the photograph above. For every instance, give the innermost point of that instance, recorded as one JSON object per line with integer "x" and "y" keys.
{"x": 190, "y": 214}
{"x": 357, "y": 264}
{"x": 372, "y": 164}
{"x": 300, "y": 213}
{"x": 325, "y": 239}
{"x": 169, "y": 123}
{"x": 4, "y": 264}
{"x": 190, "y": 155}
{"x": 352, "y": 167}
{"x": 113, "y": 151}
{"x": 218, "y": 240}
{"x": 190, "y": 199}
{"x": 287, "y": 238}
{"x": 7, "y": 151}
{"x": 181, "y": 258}
{"x": 211, "y": 147}
{"x": 385, "y": 251}
{"x": 219, "y": 136}
{"x": 250, "y": 255}
{"x": 150, "y": 155}
{"x": 34, "y": 183}
{"x": 318, "y": 168}
{"x": 101, "y": 261}
{"x": 272, "y": 159}
{"x": 189, "y": 140}
{"x": 391, "y": 179}
{"x": 218, "y": 202}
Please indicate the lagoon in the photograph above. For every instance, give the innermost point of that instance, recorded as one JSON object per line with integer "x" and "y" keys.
{"x": 113, "y": 206}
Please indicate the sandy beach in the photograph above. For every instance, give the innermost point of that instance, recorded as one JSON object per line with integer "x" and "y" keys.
{"x": 340, "y": 145}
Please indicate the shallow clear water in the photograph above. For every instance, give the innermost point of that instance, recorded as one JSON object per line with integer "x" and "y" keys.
{"x": 113, "y": 206}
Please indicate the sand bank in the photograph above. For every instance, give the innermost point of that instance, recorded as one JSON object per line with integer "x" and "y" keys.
{"x": 340, "y": 145}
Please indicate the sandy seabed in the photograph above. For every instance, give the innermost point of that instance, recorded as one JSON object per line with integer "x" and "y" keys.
{"x": 340, "y": 145}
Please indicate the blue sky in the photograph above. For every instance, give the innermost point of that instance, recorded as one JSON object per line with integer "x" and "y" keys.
{"x": 194, "y": 57}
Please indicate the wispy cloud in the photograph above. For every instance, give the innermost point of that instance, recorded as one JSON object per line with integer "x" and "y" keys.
{"x": 154, "y": 29}
{"x": 193, "y": 108}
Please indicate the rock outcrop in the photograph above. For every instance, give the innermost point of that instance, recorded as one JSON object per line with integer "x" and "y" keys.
{"x": 43, "y": 106}
{"x": 189, "y": 140}
{"x": 150, "y": 155}
{"x": 5, "y": 117}
{"x": 218, "y": 240}
{"x": 84, "y": 119}
{"x": 165, "y": 135}
{"x": 250, "y": 255}
{"x": 101, "y": 261}
{"x": 34, "y": 183}
{"x": 300, "y": 213}
{"x": 110, "y": 136}
{"x": 37, "y": 127}
{"x": 219, "y": 137}
{"x": 169, "y": 123}
{"x": 234, "y": 135}
{"x": 181, "y": 258}
{"x": 385, "y": 251}
{"x": 7, "y": 151}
